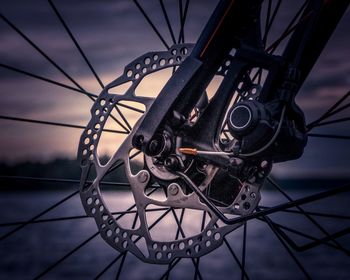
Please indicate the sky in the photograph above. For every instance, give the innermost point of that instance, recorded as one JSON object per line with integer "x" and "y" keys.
{"x": 112, "y": 34}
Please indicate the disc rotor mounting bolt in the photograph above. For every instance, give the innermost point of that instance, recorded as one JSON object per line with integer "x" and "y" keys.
{"x": 173, "y": 189}
{"x": 171, "y": 163}
{"x": 154, "y": 146}
{"x": 138, "y": 141}
{"x": 143, "y": 177}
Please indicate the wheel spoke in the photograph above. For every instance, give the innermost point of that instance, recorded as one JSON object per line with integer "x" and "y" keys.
{"x": 170, "y": 267}
{"x": 298, "y": 263}
{"x": 179, "y": 226}
{"x": 105, "y": 269}
{"x": 236, "y": 258}
{"x": 180, "y": 222}
{"x": 121, "y": 265}
{"x": 317, "y": 241}
{"x": 54, "y": 64}
{"x": 336, "y": 104}
{"x": 197, "y": 260}
{"x": 47, "y": 80}
{"x": 244, "y": 249}
{"x": 333, "y": 136}
{"x": 267, "y": 20}
{"x": 58, "y": 180}
{"x": 82, "y": 91}
{"x": 127, "y": 131}
{"x": 44, "y": 220}
{"x": 75, "y": 42}
{"x": 80, "y": 246}
{"x": 77, "y": 217}
{"x": 330, "y": 111}
{"x": 90, "y": 95}
{"x": 257, "y": 75}
{"x": 6, "y": 235}
{"x": 55, "y": 124}
{"x": 314, "y": 214}
{"x": 183, "y": 16}
{"x": 271, "y": 20}
{"x": 285, "y": 34}
{"x": 229, "y": 247}
{"x": 166, "y": 17}
{"x": 331, "y": 122}
{"x": 328, "y": 238}
{"x": 290, "y": 28}
{"x": 196, "y": 268}
{"x": 197, "y": 271}
{"x": 342, "y": 108}
{"x": 294, "y": 203}
{"x": 180, "y": 19}
{"x": 203, "y": 220}
{"x": 311, "y": 219}
{"x": 122, "y": 163}
{"x": 180, "y": 229}
{"x": 66, "y": 256}
{"x": 123, "y": 117}
{"x": 41, "y": 52}
{"x": 154, "y": 28}
{"x": 51, "y": 207}
{"x": 131, "y": 108}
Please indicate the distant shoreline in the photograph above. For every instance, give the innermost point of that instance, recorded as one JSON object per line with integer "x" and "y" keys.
{"x": 36, "y": 176}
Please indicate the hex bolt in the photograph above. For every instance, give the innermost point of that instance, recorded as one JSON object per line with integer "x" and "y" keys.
{"x": 171, "y": 163}
{"x": 143, "y": 177}
{"x": 173, "y": 189}
{"x": 153, "y": 146}
{"x": 138, "y": 141}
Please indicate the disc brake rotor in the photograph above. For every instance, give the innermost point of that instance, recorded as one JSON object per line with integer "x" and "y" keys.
{"x": 177, "y": 197}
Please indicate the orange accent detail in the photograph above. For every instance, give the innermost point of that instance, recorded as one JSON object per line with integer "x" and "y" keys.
{"x": 216, "y": 29}
{"x": 188, "y": 151}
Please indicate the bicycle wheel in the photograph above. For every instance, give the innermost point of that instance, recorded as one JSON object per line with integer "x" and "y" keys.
{"x": 153, "y": 222}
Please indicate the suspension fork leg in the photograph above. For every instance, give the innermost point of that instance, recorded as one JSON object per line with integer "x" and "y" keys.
{"x": 229, "y": 23}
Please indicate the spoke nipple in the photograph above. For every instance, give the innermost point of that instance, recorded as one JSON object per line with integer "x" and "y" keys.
{"x": 142, "y": 176}
{"x": 188, "y": 151}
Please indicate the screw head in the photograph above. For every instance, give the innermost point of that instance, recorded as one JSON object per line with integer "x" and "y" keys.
{"x": 173, "y": 189}
{"x": 143, "y": 177}
{"x": 138, "y": 141}
{"x": 171, "y": 163}
{"x": 153, "y": 146}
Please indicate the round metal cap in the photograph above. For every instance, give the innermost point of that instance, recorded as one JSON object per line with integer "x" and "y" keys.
{"x": 240, "y": 117}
